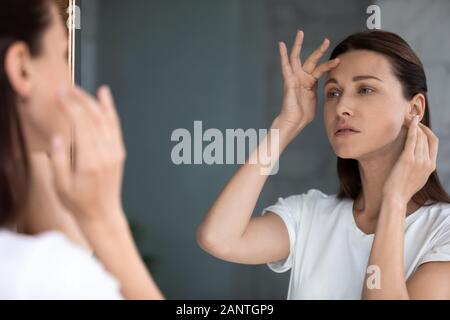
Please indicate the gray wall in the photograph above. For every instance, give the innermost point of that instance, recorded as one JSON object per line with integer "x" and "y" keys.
{"x": 170, "y": 63}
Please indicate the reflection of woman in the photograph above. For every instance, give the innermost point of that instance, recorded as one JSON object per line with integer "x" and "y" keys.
{"x": 38, "y": 107}
{"x": 386, "y": 234}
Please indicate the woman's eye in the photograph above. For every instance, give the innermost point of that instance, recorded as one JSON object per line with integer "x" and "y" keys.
{"x": 333, "y": 94}
{"x": 366, "y": 90}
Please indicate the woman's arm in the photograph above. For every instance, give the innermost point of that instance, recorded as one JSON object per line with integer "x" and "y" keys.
{"x": 228, "y": 231}
{"x": 430, "y": 281}
{"x": 409, "y": 174}
{"x": 115, "y": 248}
{"x": 387, "y": 254}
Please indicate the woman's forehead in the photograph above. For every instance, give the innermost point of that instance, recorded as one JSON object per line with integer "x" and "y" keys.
{"x": 359, "y": 63}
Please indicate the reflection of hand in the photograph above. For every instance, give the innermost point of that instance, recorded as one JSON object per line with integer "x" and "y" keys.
{"x": 414, "y": 166}
{"x": 44, "y": 211}
{"x": 92, "y": 190}
{"x": 300, "y": 83}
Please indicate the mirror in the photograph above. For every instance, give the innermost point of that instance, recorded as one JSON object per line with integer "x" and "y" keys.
{"x": 70, "y": 11}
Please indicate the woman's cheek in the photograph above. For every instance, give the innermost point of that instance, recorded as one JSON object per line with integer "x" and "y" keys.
{"x": 390, "y": 131}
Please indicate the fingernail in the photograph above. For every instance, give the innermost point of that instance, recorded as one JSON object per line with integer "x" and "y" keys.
{"x": 106, "y": 89}
{"x": 416, "y": 120}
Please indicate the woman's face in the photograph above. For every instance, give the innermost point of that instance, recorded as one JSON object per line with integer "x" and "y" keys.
{"x": 49, "y": 74}
{"x": 363, "y": 92}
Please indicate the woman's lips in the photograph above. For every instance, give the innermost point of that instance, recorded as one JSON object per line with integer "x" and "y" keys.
{"x": 345, "y": 133}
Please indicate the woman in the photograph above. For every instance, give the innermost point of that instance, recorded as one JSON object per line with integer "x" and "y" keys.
{"x": 386, "y": 233}
{"x": 38, "y": 108}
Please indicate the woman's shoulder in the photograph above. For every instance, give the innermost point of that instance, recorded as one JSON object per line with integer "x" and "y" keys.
{"x": 442, "y": 207}
{"x": 312, "y": 199}
{"x": 32, "y": 250}
{"x": 437, "y": 213}
{"x": 50, "y": 265}
{"x": 314, "y": 195}
{"x": 22, "y": 243}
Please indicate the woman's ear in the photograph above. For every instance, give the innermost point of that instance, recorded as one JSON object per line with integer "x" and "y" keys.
{"x": 417, "y": 106}
{"x": 18, "y": 68}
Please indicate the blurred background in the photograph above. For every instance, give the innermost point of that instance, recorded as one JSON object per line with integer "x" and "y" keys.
{"x": 173, "y": 62}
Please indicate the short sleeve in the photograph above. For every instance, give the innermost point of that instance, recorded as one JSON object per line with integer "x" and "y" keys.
{"x": 59, "y": 270}
{"x": 290, "y": 210}
{"x": 440, "y": 250}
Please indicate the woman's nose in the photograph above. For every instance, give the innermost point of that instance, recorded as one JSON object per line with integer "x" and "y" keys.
{"x": 344, "y": 107}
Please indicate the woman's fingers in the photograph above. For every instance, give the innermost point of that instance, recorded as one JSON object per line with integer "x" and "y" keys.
{"x": 91, "y": 133}
{"x": 422, "y": 144}
{"x": 296, "y": 51}
{"x": 420, "y": 151}
{"x": 285, "y": 65}
{"x": 107, "y": 104}
{"x": 433, "y": 143}
{"x": 101, "y": 129}
{"x": 106, "y": 101}
{"x": 60, "y": 163}
{"x": 311, "y": 63}
{"x": 100, "y": 115}
{"x": 411, "y": 139}
{"x": 89, "y": 103}
{"x": 88, "y": 135}
{"x": 292, "y": 65}
{"x": 325, "y": 67}
{"x": 426, "y": 148}
{"x": 72, "y": 107}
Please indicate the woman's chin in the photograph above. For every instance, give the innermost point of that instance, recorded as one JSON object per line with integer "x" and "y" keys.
{"x": 345, "y": 153}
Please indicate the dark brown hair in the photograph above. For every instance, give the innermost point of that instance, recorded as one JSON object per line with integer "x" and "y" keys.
{"x": 409, "y": 70}
{"x": 20, "y": 20}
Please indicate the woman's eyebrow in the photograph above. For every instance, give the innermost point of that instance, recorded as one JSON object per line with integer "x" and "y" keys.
{"x": 356, "y": 78}
{"x": 331, "y": 80}
{"x": 359, "y": 78}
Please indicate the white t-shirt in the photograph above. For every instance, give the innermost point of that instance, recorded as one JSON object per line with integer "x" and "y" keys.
{"x": 329, "y": 253}
{"x": 50, "y": 267}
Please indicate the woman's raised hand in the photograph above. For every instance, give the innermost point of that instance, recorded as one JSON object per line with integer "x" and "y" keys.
{"x": 92, "y": 188}
{"x": 300, "y": 83}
